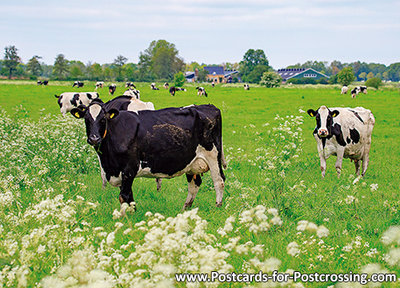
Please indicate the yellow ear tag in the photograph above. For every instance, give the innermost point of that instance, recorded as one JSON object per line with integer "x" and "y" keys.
{"x": 77, "y": 115}
{"x": 112, "y": 115}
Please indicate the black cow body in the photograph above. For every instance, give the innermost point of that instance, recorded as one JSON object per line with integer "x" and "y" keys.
{"x": 45, "y": 82}
{"x": 112, "y": 88}
{"x": 78, "y": 84}
{"x": 164, "y": 143}
{"x": 173, "y": 89}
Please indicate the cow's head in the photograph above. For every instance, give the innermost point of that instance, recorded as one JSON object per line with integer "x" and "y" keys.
{"x": 64, "y": 103}
{"x": 324, "y": 118}
{"x": 96, "y": 119}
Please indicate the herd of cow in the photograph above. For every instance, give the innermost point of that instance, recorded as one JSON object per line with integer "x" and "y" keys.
{"x": 132, "y": 139}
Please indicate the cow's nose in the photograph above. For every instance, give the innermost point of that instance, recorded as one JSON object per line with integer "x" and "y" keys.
{"x": 322, "y": 132}
{"x": 93, "y": 140}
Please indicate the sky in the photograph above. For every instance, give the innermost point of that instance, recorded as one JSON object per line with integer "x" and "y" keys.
{"x": 205, "y": 31}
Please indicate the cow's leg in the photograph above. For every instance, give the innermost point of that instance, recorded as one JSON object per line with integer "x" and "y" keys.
{"x": 217, "y": 175}
{"x": 103, "y": 174}
{"x": 365, "y": 162}
{"x": 158, "y": 181}
{"x": 339, "y": 160}
{"x": 323, "y": 164}
{"x": 125, "y": 195}
{"x": 194, "y": 182}
{"x": 357, "y": 164}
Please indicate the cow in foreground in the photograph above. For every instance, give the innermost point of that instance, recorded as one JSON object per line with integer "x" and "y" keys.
{"x": 344, "y": 132}
{"x": 201, "y": 91}
{"x": 164, "y": 143}
{"x": 69, "y": 100}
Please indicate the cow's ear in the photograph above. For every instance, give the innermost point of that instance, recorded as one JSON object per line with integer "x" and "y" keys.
{"x": 55, "y": 95}
{"x": 113, "y": 113}
{"x": 334, "y": 113}
{"x": 78, "y": 112}
{"x": 311, "y": 112}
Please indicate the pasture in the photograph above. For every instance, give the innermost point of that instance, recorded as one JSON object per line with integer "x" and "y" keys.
{"x": 59, "y": 228}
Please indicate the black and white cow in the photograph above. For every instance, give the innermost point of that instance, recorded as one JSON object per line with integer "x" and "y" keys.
{"x": 99, "y": 84}
{"x": 130, "y": 85}
{"x": 45, "y": 82}
{"x": 173, "y": 89}
{"x": 78, "y": 84}
{"x": 166, "y": 85}
{"x": 363, "y": 89}
{"x": 357, "y": 90}
{"x": 133, "y": 93}
{"x": 69, "y": 100}
{"x": 201, "y": 91}
{"x": 163, "y": 143}
{"x": 344, "y": 132}
{"x": 153, "y": 86}
{"x": 246, "y": 86}
{"x": 344, "y": 90}
{"x": 212, "y": 84}
{"x": 112, "y": 88}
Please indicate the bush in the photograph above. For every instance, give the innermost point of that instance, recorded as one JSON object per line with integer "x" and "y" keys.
{"x": 271, "y": 80}
{"x": 346, "y": 76}
{"x": 374, "y": 82}
{"x": 179, "y": 79}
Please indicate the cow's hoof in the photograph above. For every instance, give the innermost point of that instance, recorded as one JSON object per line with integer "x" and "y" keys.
{"x": 121, "y": 200}
{"x": 219, "y": 204}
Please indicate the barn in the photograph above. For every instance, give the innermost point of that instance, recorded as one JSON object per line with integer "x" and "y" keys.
{"x": 218, "y": 74}
{"x": 299, "y": 73}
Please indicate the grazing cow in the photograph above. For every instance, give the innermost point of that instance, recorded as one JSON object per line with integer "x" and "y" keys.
{"x": 112, "y": 88}
{"x": 344, "y": 90}
{"x": 163, "y": 143}
{"x": 355, "y": 92}
{"x": 212, "y": 84}
{"x": 344, "y": 132}
{"x": 201, "y": 91}
{"x": 166, "y": 85}
{"x": 39, "y": 82}
{"x": 99, "y": 84}
{"x": 133, "y": 93}
{"x": 246, "y": 86}
{"x": 78, "y": 84}
{"x": 45, "y": 82}
{"x": 153, "y": 86}
{"x": 363, "y": 89}
{"x": 68, "y": 100}
{"x": 173, "y": 89}
{"x": 130, "y": 85}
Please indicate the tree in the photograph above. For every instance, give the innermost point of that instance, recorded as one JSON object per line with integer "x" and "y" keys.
{"x": 374, "y": 82}
{"x": 60, "y": 69}
{"x": 34, "y": 67}
{"x": 346, "y": 76}
{"x": 161, "y": 61}
{"x": 252, "y": 59}
{"x": 255, "y": 75}
{"x": 119, "y": 62}
{"x": 362, "y": 75}
{"x": 370, "y": 75}
{"x": 202, "y": 76}
{"x": 11, "y": 59}
{"x": 179, "y": 79}
{"x": 271, "y": 80}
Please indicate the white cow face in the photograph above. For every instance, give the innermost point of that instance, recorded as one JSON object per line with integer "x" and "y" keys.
{"x": 324, "y": 118}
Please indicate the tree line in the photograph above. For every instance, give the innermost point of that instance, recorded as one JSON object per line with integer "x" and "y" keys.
{"x": 161, "y": 62}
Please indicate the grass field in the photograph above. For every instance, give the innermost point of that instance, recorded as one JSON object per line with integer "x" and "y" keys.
{"x": 59, "y": 228}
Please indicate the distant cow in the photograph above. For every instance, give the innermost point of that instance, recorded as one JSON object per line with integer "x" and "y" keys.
{"x": 166, "y": 85}
{"x": 112, "y": 88}
{"x": 246, "y": 86}
{"x": 345, "y": 132}
{"x": 201, "y": 91}
{"x": 355, "y": 91}
{"x": 163, "y": 143}
{"x": 68, "y": 100}
{"x": 173, "y": 89}
{"x": 130, "y": 85}
{"x": 78, "y": 84}
{"x": 212, "y": 84}
{"x": 99, "y": 84}
{"x": 133, "y": 93}
{"x": 45, "y": 82}
{"x": 363, "y": 89}
{"x": 153, "y": 86}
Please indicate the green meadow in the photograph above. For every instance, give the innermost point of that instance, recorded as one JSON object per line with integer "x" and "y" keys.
{"x": 60, "y": 228}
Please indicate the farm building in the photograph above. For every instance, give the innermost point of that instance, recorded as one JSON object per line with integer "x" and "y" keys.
{"x": 298, "y": 73}
{"x": 218, "y": 74}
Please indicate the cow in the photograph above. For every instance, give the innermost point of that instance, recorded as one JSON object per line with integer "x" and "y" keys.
{"x": 166, "y": 85}
{"x": 133, "y": 93}
{"x": 344, "y": 90}
{"x": 344, "y": 132}
{"x": 130, "y": 85}
{"x": 201, "y": 91}
{"x": 45, "y": 82}
{"x": 212, "y": 84}
{"x": 78, "y": 84}
{"x": 112, "y": 88}
{"x": 363, "y": 89}
{"x": 153, "y": 86}
{"x": 355, "y": 91}
{"x": 99, "y": 84}
{"x": 68, "y": 100}
{"x": 164, "y": 143}
{"x": 173, "y": 89}
{"x": 246, "y": 86}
